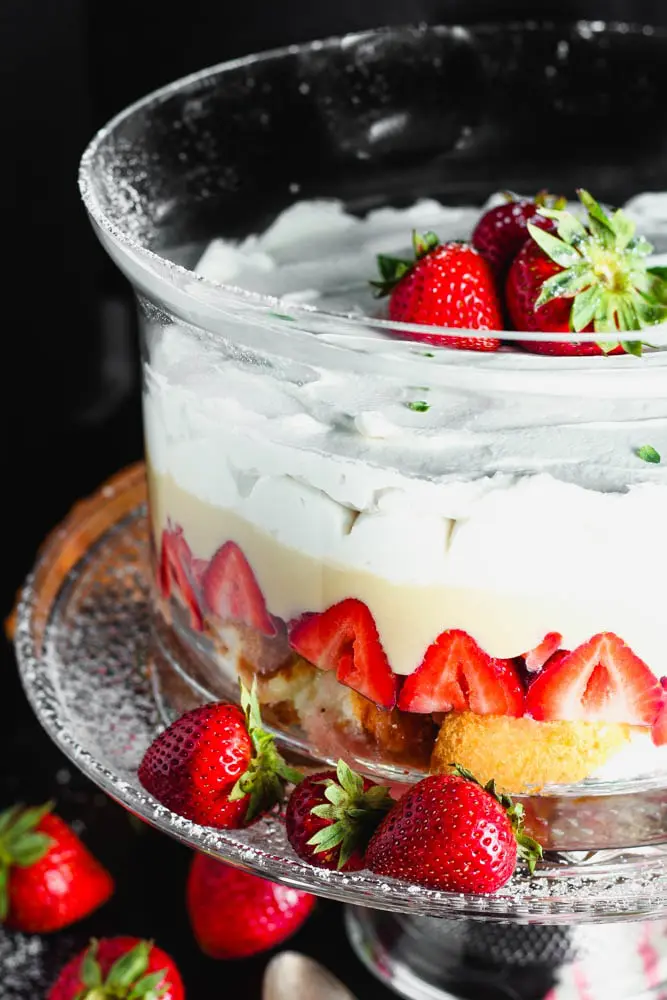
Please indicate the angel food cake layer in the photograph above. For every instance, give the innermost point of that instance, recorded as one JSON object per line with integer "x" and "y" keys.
{"x": 472, "y": 568}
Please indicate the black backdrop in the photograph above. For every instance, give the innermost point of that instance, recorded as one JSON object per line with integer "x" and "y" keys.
{"x": 69, "y": 375}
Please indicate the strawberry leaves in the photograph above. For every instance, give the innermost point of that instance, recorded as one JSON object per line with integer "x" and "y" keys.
{"x": 21, "y": 844}
{"x": 394, "y": 269}
{"x": 353, "y": 814}
{"x": 604, "y": 272}
{"x": 268, "y": 772}
{"x": 127, "y": 978}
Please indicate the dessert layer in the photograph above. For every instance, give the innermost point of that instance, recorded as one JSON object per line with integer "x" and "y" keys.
{"x": 539, "y": 557}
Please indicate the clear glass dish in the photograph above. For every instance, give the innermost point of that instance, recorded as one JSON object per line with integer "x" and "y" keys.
{"x": 307, "y": 457}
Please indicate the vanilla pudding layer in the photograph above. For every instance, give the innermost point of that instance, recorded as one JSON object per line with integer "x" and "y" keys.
{"x": 502, "y": 574}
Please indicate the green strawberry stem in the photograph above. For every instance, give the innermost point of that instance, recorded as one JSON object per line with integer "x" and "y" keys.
{"x": 268, "y": 772}
{"x": 528, "y": 849}
{"x": 355, "y": 814}
{"x": 604, "y": 272}
{"x": 20, "y": 844}
{"x": 394, "y": 269}
{"x": 126, "y": 979}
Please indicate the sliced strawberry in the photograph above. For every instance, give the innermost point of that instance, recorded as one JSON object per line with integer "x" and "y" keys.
{"x": 199, "y": 567}
{"x": 536, "y": 658}
{"x": 344, "y": 638}
{"x": 456, "y": 675}
{"x": 175, "y": 570}
{"x": 231, "y": 590}
{"x": 659, "y": 731}
{"x": 602, "y": 680}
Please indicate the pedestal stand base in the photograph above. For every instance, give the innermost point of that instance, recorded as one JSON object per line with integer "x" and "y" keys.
{"x": 423, "y": 958}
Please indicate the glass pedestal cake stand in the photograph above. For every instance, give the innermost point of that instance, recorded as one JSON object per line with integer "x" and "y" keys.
{"x": 589, "y": 924}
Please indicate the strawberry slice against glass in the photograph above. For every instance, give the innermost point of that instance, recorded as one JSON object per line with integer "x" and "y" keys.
{"x": 175, "y": 572}
{"x": 535, "y": 658}
{"x": 600, "y": 681}
{"x": 345, "y": 639}
{"x": 457, "y": 676}
{"x": 231, "y": 591}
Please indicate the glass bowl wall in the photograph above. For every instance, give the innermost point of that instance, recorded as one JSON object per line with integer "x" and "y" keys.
{"x": 314, "y": 419}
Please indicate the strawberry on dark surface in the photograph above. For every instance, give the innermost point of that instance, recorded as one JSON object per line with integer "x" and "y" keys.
{"x": 503, "y": 229}
{"x": 448, "y": 832}
{"x": 234, "y": 914}
{"x": 231, "y": 591}
{"x": 216, "y": 766}
{"x": 592, "y": 277}
{"x": 448, "y": 285}
{"x": 48, "y": 878}
{"x": 345, "y": 639}
{"x": 119, "y": 968}
{"x": 600, "y": 681}
{"x": 331, "y": 816}
{"x": 457, "y": 675}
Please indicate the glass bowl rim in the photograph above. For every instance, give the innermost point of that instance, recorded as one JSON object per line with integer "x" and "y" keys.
{"x": 252, "y": 301}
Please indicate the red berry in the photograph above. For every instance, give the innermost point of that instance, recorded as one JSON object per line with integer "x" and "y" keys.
{"x": 456, "y": 675}
{"x": 600, "y": 681}
{"x": 503, "y": 230}
{"x": 49, "y": 879}
{"x": 592, "y": 277}
{"x": 449, "y": 833}
{"x": 331, "y": 816}
{"x": 236, "y": 915}
{"x": 176, "y": 573}
{"x": 216, "y": 766}
{"x": 117, "y": 968}
{"x": 447, "y": 285}
{"x": 345, "y": 639}
{"x": 231, "y": 591}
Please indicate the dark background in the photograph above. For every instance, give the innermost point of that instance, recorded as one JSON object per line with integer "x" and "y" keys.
{"x": 70, "y": 385}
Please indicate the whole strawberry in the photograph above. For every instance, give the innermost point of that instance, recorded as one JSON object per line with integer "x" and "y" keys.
{"x": 216, "y": 766}
{"x": 331, "y": 816}
{"x": 235, "y": 915}
{"x": 590, "y": 278}
{"x": 503, "y": 230}
{"x": 48, "y": 879}
{"x": 120, "y": 968}
{"x": 447, "y": 285}
{"x": 450, "y": 833}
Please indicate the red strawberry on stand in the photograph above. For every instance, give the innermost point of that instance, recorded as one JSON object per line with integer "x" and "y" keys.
{"x": 448, "y": 285}
{"x": 450, "y": 833}
{"x": 331, "y": 816}
{"x": 344, "y": 638}
{"x": 235, "y": 915}
{"x": 457, "y": 675}
{"x": 120, "y": 968}
{"x": 590, "y": 278}
{"x": 48, "y": 879}
{"x": 602, "y": 680}
{"x": 216, "y": 766}
{"x": 503, "y": 230}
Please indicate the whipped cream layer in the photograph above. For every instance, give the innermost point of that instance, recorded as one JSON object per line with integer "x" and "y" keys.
{"x": 513, "y": 506}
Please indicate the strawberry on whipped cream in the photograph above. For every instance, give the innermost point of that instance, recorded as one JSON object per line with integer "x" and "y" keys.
{"x": 347, "y": 516}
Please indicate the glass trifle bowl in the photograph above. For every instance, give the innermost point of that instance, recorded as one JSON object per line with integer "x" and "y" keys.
{"x": 420, "y": 552}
